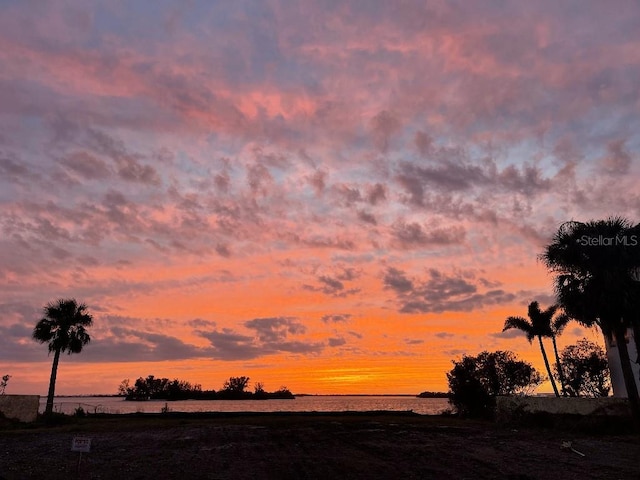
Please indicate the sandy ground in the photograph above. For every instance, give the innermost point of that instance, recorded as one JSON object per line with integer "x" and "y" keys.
{"x": 305, "y": 446}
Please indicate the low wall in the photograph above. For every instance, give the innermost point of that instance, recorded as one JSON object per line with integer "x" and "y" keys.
{"x": 507, "y": 407}
{"x": 20, "y": 407}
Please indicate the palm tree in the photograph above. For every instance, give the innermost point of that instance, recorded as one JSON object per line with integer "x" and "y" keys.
{"x": 63, "y": 328}
{"x": 557, "y": 326}
{"x": 539, "y": 326}
{"x": 593, "y": 262}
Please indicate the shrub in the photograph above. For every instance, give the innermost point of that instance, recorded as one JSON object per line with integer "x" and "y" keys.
{"x": 586, "y": 370}
{"x": 474, "y": 382}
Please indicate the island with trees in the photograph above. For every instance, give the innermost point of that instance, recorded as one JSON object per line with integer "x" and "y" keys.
{"x": 235, "y": 388}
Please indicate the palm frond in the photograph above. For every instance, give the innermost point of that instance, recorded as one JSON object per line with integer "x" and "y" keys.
{"x": 63, "y": 327}
{"x": 521, "y": 324}
{"x": 560, "y": 322}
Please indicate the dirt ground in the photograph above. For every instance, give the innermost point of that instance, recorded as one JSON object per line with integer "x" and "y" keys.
{"x": 311, "y": 447}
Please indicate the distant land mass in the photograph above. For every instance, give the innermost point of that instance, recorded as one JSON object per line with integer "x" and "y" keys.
{"x": 433, "y": 395}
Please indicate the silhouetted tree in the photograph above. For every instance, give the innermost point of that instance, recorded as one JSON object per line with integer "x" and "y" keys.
{"x": 63, "y": 328}
{"x": 258, "y": 391}
{"x": 3, "y": 383}
{"x": 234, "y": 388}
{"x": 558, "y": 325}
{"x": 160, "y": 388}
{"x": 474, "y": 382}
{"x": 586, "y": 370}
{"x": 540, "y": 324}
{"x": 282, "y": 392}
{"x": 594, "y": 264}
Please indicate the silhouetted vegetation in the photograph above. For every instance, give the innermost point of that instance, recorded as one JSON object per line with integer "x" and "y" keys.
{"x": 234, "y": 389}
{"x": 152, "y": 388}
{"x": 474, "y": 382}
{"x": 63, "y": 328}
{"x": 3, "y": 383}
{"x": 433, "y": 395}
{"x": 541, "y": 324}
{"x": 586, "y": 370}
{"x": 595, "y": 266}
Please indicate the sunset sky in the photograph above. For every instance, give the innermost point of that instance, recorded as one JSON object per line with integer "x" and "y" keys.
{"x": 336, "y": 196}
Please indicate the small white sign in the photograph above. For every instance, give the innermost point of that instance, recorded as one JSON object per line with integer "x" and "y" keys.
{"x": 81, "y": 444}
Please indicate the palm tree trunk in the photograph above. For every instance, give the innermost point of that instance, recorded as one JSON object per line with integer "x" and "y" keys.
{"x": 636, "y": 337}
{"x": 546, "y": 363}
{"x": 627, "y": 373}
{"x": 52, "y": 383}
{"x": 563, "y": 385}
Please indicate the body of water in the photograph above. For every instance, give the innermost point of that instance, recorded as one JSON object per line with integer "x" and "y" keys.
{"x": 423, "y": 406}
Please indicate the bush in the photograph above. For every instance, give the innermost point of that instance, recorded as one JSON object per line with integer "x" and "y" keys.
{"x": 586, "y": 370}
{"x": 474, "y": 382}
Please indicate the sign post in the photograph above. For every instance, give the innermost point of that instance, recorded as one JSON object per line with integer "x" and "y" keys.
{"x": 80, "y": 444}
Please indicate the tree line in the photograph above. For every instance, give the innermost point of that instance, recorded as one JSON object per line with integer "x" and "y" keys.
{"x": 235, "y": 388}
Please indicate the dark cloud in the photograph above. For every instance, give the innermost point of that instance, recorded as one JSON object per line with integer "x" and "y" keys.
{"x": 200, "y": 323}
{"x": 298, "y": 347}
{"x": 448, "y": 176}
{"x": 275, "y": 329}
{"x": 16, "y": 345}
{"x": 318, "y": 181}
{"x": 397, "y": 280}
{"x": 222, "y": 181}
{"x": 463, "y": 176}
{"x": 228, "y": 345}
{"x": 19, "y": 311}
{"x": 86, "y": 165}
{"x": 383, "y": 127}
{"x": 441, "y": 292}
{"x": 259, "y": 179}
{"x": 618, "y": 158}
{"x": 110, "y": 344}
{"x": 376, "y": 194}
{"x": 11, "y": 168}
{"x": 122, "y": 213}
{"x": 337, "y": 342}
{"x": 444, "y": 335}
{"x": 333, "y": 286}
{"x": 413, "y": 341}
{"x": 323, "y": 241}
{"x": 424, "y": 143}
{"x": 272, "y": 335}
{"x": 223, "y": 250}
{"x": 336, "y": 318}
{"x": 129, "y": 166}
{"x": 414, "y": 235}
{"x": 131, "y": 345}
{"x": 347, "y": 194}
{"x": 527, "y": 180}
{"x": 367, "y": 217}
